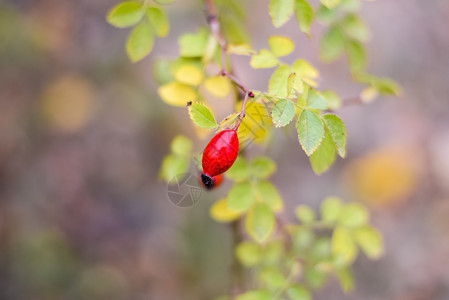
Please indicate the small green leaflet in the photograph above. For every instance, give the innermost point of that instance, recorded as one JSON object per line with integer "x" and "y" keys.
{"x": 262, "y": 167}
{"x": 354, "y": 27}
{"x": 281, "y": 11}
{"x": 202, "y": 116}
{"x": 298, "y": 292}
{"x": 305, "y": 15}
{"x": 343, "y": 247}
{"x": 125, "y": 14}
{"x": 282, "y": 113}
{"x": 338, "y": 131}
{"x": 324, "y": 156}
{"x": 346, "y": 279}
{"x": 158, "y": 18}
{"x": 369, "y": 240}
{"x": 278, "y": 81}
{"x": 310, "y": 131}
{"x": 356, "y": 54}
{"x": 315, "y": 100}
{"x": 265, "y": 59}
{"x": 241, "y": 197}
{"x": 193, "y": 44}
{"x": 248, "y": 253}
{"x": 140, "y": 42}
{"x": 256, "y": 295}
{"x": 332, "y": 44}
{"x": 269, "y": 194}
{"x": 260, "y": 222}
{"x": 330, "y": 3}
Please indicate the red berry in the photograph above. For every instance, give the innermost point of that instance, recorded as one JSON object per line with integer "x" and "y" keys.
{"x": 220, "y": 154}
{"x": 211, "y": 182}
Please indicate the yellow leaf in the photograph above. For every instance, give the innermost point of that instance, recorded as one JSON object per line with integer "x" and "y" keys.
{"x": 189, "y": 74}
{"x": 67, "y": 103}
{"x": 240, "y": 49}
{"x": 281, "y": 45}
{"x": 256, "y": 124}
{"x": 221, "y": 213}
{"x": 384, "y": 176}
{"x": 218, "y": 86}
{"x": 177, "y": 94}
{"x": 306, "y": 72}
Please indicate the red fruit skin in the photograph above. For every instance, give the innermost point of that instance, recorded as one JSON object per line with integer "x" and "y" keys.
{"x": 221, "y": 153}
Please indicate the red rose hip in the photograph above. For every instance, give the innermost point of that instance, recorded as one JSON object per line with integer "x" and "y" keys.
{"x": 219, "y": 155}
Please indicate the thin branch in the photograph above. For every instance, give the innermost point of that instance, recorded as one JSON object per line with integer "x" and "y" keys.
{"x": 212, "y": 20}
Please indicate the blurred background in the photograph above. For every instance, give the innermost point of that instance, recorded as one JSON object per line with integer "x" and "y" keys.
{"x": 83, "y": 214}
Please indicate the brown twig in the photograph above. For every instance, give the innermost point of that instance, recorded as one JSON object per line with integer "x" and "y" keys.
{"x": 214, "y": 25}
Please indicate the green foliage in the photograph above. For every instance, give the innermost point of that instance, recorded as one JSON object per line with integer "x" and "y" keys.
{"x": 148, "y": 22}
{"x": 293, "y": 259}
{"x": 177, "y": 162}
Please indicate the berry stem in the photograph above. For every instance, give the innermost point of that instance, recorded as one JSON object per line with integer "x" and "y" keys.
{"x": 214, "y": 26}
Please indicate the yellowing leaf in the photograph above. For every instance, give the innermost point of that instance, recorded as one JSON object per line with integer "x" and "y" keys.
{"x": 159, "y": 20}
{"x": 221, "y": 213}
{"x": 265, "y": 59}
{"x": 337, "y": 130}
{"x": 256, "y": 124}
{"x": 330, "y": 209}
{"x": 125, "y": 14}
{"x": 370, "y": 241}
{"x": 177, "y": 94}
{"x": 189, "y": 74}
{"x": 343, "y": 247}
{"x": 324, "y": 155}
{"x": 248, "y": 253}
{"x": 279, "y": 81}
{"x": 330, "y": 3}
{"x": 260, "y": 222}
{"x": 219, "y": 86}
{"x": 67, "y": 103}
{"x": 140, "y": 42}
{"x": 240, "y": 49}
{"x": 306, "y": 72}
{"x": 281, "y": 45}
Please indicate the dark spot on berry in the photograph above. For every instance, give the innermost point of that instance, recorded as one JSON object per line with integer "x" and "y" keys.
{"x": 207, "y": 180}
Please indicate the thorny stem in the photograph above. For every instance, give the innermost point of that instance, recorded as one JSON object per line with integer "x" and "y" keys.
{"x": 214, "y": 25}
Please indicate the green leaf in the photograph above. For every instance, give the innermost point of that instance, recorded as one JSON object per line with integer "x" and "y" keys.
{"x": 273, "y": 252}
{"x": 302, "y": 238}
{"x": 330, "y": 209}
{"x": 326, "y": 15}
{"x": 332, "y": 99}
{"x": 305, "y": 214}
{"x": 159, "y": 20}
{"x": 338, "y": 131}
{"x": 239, "y": 171}
{"x": 278, "y": 81}
{"x": 181, "y": 145}
{"x": 260, "y": 222}
{"x": 262, "y": 167}
{"x": 332, "y": 44}
{"x": 164, "y": 2}
{"x": 193, "y": 44}
{"x": 298, "y": 292}
{"x": 315, "y": 100}
{"x": 173, "y": 165}
{"x": 310, "y": 131}
{"x": 125, "y": 14}
{"x": 269, "y": 194}
{"x": 349, "y": 5}
{"x": 282, "y": 113}
{"x": 241, "y": 197}
{"x": 161, "y": 71}
{"x": 343, "y": 247}
{"x": 356, "y": 56}
{"x": 315, "y": 278}
{"x": 369, "y": 240}
{"x": 346, "y": 279}
{"x": 220, "y": 212}
{"x": 353, "y": 215}
{"x": 202, "y": 116}
{"x": 140, "y": 42}
{"x": 330, "y": 3}
{"x": 324, "y": 156}
{"x": 272, "y": 277}
{"x": 281, "y": 45}
{"x": 249, "y": 253}
{"x": 261, "y": 294}
{"x": 281, "y": 11}
{"x": 305, "y": 15}
{"x": 265, "y": 59}
{"x": 384, "y": 86}
{"x": 353, "y": 26}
